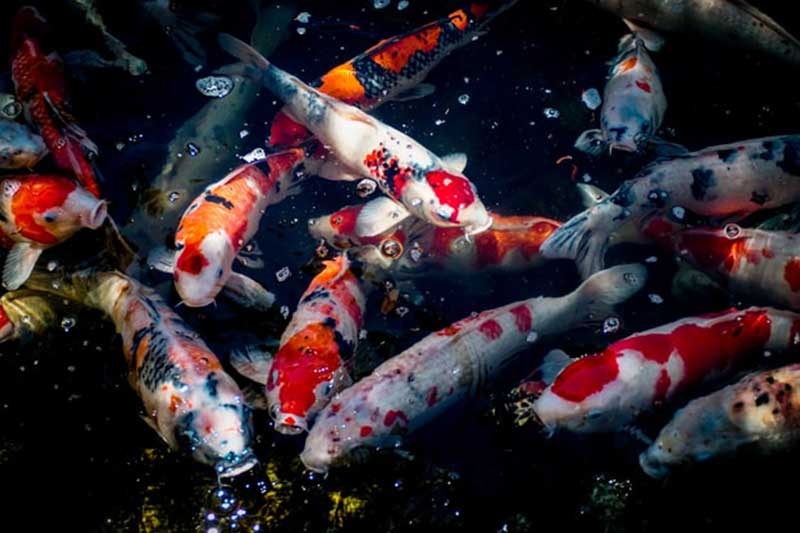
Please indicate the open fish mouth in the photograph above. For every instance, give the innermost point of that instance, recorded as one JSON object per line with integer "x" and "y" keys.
{"x": 622, "y": 147}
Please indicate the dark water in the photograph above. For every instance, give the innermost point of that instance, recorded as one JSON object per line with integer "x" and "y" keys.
{"x": 73, "y": 452}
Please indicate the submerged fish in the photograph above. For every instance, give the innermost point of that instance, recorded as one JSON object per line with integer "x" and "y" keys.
{"x": 40, "y": 86}
{"x": 364, "y": 146}
{"x": 733, "y": 22}
{"x": 759, "y": 412}
{"x": 221, "y": 221}
{"x": 717, "y": 183}
{"x": 608, "y": 390}
{"x": 633, "y": 102}
{"x": 25, "y": 314}
{"x": 446, "y": 367}
{"x": 394, "y": 68}
{"x": 38, "y": 211}
{"x": 310, "y": 365}
{"x": 188, "y": 398}
{"x": 756, "y": 263}
{"x": 19, "y": 146}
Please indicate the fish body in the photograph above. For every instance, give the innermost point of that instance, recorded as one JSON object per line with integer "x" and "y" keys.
{"x": 756, "y": 263}
{"x": 404, "y": 169}
{"x": 606, "y": 391}
{"x": 759, "y": 412}
{"x": 310, "y": 364}
{"x": 40, "y": 86}
{"x": 733, "y": 22}
{"x": 394, "y": 67}
{"x": 188, "y": 399}
{"x": 451, "y": 365}
{"x": 19, "y": 146}
{"x": 223, "y": 218}
{"x": 38, "y": 211}
{"x": 633, "y": 102}
{"x": 716, "y": 183}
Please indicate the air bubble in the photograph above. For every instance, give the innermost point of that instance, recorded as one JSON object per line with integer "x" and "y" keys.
{"x": 463, "y": 99}
{"x": 215, "y": 86}
{"x": 67, "y": 323}
{"x": 550, "y": 112}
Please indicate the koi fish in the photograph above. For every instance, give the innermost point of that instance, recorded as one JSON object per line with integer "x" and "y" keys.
{"x": 19, "y": 146}
{"x": 733, "y": 22}
{"x": 381, "y": 235}
{"x": 761, "y": 264}
{"x": 633, "y": 102}
{"x": 759, "y": 412}
{"x": 721, "y": 182}
{"x": 451, "y": 365}
{"x": 606, "y": 391}
{"x": 39, "y": 82}
{"x": 309, "y": 366}
{"x": 220, "y": 222}
{"x": 38, "y": 211}
{"x": 393, "y": 68}
{"x": 405, "y": 170}
{"x": 25, "y": 313}
{"x": 188, "y": 398}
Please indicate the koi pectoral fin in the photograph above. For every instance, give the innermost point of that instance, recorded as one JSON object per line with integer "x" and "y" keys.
{"x": 652, "y": 40}
{"x": 415, "y": 93}
{"x": 162, "y": 260}
{"x": 19, "y": 264}
{"x": 247, "y": 292}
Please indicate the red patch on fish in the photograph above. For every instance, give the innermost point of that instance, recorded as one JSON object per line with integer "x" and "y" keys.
{"x": 643, "y": 85}
{"x": 35, "y": 196}
{"x": 191, "y": 259}
{"x": 491, "y": 330}
{"x": 449, "y": 331}
{"x": 791, "y": 273}
{"x": 286, "y": 132}
{"x": 432, "y": 397}
{"x": 522, "y": 318}
{"x": 392, "y": 416}
{"x": 451, "y": 190}
{"x": 662, "y": 386}
{"x": 587, "y": 376}
{"x": 766, "y": 252}
{"x": 714, "y": 250}
{"x": 366, "y": 431}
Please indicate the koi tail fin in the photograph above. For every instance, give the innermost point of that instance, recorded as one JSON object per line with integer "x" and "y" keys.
{"x": 285, "y": 174}
{"x": 592, "y": 142}
{"x": 256, "y": 67}
{"x": 595, "y": 298}
{"x": 585, "y": 237}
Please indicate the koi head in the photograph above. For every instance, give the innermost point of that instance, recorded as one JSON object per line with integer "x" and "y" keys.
{"x": 625, "y": 127}
{"x": 201, "y": 268}
{"x": 19, "y": 147}
{"x": 711, "y": 248}
{"x": 338, "y": 228}
{"x": 306, "y": 372}
{"x": 216, "y": 429}
{"x": 49, "y": 209}
{"x": 332, "y": 439}
{"x": 447, "y": 200}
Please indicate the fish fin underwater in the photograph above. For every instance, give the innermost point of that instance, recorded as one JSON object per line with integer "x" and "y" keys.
{"x": 247, "y": 292}
{"x": 592, "y": 142}
{"x": 456, "y": 162}
{"x": 20, "y": 261}
{"x": 379, "y": 216}
{"x": 253, "y": 362}
{"x": 652, "y": 40}
{"x": 583, "y": 239}
{"x": 554, "y": 362}
{"x": 416, "y": 93}
{"x": 591, "y": 195}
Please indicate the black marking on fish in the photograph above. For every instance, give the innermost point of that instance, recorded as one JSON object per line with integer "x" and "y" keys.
{"x": 769, "y": 151}
{"x": 728, "y": 155}
{"x": 617, "y": 133}
{"x": 759, "y": 198}
{"x": 214, "y": 199}
{"x": 319, "y": 293}
{"x": 762, "y": 399}
{"x": 185, "y": 434}
{"x": 658, "y": 198}
{"x": 791, "y": 157}
{"x": 346, "y": 349}
{"x": 624, "y": 197}
{"x": 211, "y": 384}
{"x": 702, "y": 180}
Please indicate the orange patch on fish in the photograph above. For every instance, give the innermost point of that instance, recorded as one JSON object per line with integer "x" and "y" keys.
{"x": 395, "y": 56}
{"x": 627, "y": 65}
{"x": 342, "y": 84}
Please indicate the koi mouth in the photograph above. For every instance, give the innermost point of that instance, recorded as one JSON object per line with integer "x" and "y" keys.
{"x": 290, "y": 424}
{"x": 623, "y": 147}
{"x": 96, "y": 216}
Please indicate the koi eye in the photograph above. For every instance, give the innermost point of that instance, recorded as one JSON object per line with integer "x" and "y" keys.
{"x": 10, "y": 187}
{"x": 391, "y": 248}
{"x": 50, "y": 216}
{"x": 338, "y": 220}
{"x": 732, "y": 231}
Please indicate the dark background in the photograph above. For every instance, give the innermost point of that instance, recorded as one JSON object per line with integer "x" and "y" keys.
{"x": 73, "y": 453}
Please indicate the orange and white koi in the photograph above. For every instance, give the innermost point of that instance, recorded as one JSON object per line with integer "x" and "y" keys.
{"x": 451, "y": 365}
{"x": 310, "y": 365}
{"x": 40, "y": 86}
{"x": 220, "y": 222}
{"x": 606, "y": 391}
{"x": 720, "y": 182}
{"x": 38, "y": 211}
{"x": 393, "y": 68}
{"x": 361, "y": 145}
{"x": 759, "y": 412}
{"x": 764, "y": 265}
{"x": 189, "y": 400}
{"x": 633, "y": 102}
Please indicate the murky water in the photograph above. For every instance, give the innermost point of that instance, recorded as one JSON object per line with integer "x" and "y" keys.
{"x": 73, "y": 450}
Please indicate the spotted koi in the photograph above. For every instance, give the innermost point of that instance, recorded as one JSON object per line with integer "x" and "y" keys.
{"x": 608, "y": 390}
{"x": 447, "y": 367}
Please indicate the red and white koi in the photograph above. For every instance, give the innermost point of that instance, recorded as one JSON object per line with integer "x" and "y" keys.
{"x": 310, "y": 365}
{"x": 189, "y": 400}
{"x": 446, "y": 367}
{"x": 220, "y": 222}
{"x": 759, "y": 412}
{"x": 40, "y": 86}
{"x": 761, "y": 264}
{"x": 38, "y": 211}
{"x": 720, "y": 182}
{"x": 607, "y": 391}
{"x": 633, "y": 102}
{"x": 362, "y": 145}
